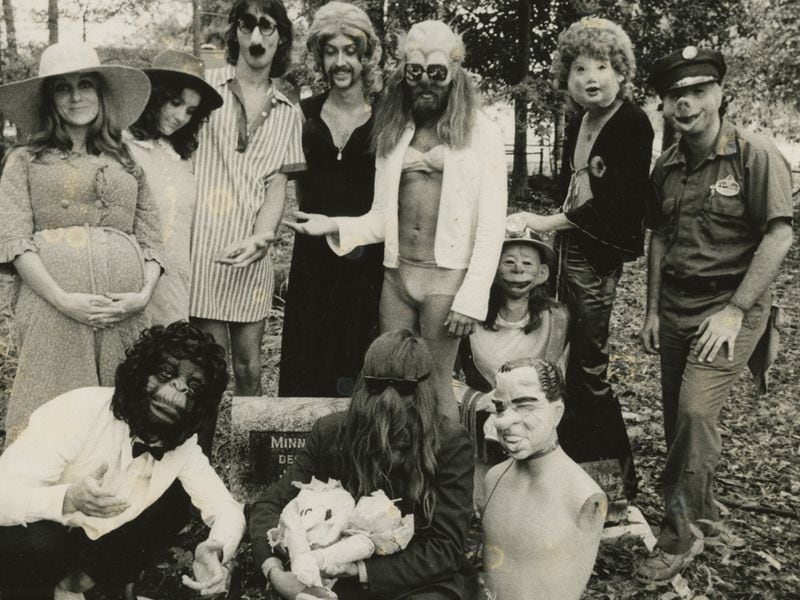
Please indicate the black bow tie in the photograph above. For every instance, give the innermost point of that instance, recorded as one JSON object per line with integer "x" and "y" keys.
{"x": 139, "y": 448}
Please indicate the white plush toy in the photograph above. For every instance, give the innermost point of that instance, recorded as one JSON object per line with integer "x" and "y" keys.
{"x": 324, "y": 527}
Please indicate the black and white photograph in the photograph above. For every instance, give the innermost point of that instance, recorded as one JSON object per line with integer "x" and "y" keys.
{"x": 399, "y": 299}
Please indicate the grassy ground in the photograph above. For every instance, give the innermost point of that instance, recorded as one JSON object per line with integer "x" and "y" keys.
{"x": 756, "y": 555}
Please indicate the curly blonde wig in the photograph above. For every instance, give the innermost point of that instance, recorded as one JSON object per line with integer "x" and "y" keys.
{"x": 599, "y": 39}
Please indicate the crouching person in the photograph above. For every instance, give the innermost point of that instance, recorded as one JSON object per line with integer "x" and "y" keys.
{"x": 101, "y": 477}
{"x": 392, "y": 438}
{"x": 544, "y": 515}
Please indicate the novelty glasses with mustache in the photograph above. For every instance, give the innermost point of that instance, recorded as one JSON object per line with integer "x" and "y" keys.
{"x": 247, "y": 23}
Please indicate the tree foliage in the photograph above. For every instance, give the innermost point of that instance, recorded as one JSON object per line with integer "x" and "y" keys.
{"x": 764, "y": 68}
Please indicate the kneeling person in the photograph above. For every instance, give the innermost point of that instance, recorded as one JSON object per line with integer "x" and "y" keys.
{"x": 544, "y": 516}
{"x": 99, "y": 479}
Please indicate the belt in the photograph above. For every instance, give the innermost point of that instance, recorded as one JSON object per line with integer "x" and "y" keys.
{"x": 702, "y": 285}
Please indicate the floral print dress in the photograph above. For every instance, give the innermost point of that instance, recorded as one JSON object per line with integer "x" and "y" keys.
{"x": 93, "y": 224}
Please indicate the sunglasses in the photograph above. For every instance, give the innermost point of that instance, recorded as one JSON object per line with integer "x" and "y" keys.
{"x": 248, "y": 22}
{"x": 404, "y": 387}
{"x": 414, "y": 71}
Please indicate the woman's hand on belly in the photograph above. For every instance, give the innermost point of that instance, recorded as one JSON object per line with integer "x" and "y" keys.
{"x": 93, "y": 310}
{"x": 124, "y": 305}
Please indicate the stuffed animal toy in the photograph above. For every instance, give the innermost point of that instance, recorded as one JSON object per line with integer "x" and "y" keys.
{"x": 323, "y": 528}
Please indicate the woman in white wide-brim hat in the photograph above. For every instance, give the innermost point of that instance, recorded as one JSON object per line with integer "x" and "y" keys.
{"x": 78, "y": 224}
{"x": 162, "y": 142}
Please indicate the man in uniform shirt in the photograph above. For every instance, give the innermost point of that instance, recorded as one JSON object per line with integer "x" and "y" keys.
{"x": 721, "y": 225}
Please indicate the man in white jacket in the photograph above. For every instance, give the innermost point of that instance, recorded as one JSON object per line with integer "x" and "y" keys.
{"x": 440, "y": 199}
{"x": 101, "y": 477}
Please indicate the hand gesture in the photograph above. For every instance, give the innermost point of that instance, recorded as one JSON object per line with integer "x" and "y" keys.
{"x": 311, "y": 224}
{"x": 93, "y": 310}
{"x": 718, "y": 330}
{"x": 349, "y": 569}
{"x": 519, "y": 221}
{"x": 650, "y": 334}
{"x": 245, "y": 252}
{"x": 537, "y": 223}
{"x": 285, "y": 583}
{"x": 89, "y": 497}
{"x": 459, "y": 325}
{"x": 126, "y": 304}
{"x": 210, "y": 577}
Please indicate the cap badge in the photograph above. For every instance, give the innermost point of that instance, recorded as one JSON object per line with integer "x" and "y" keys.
{"x": 689, "y": 53}
{"x": 727, "y": 187}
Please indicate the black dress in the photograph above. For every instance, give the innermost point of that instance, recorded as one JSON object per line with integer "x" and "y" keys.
{"x": 331, "y": 313}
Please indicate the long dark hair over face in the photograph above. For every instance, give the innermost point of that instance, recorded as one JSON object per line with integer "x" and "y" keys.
{"x": 185, "y": 140}
{"x": 276, "y": 10}
{"x": 390, "y": 441}
{"x": 179, "y": 340}
{"x": 539, "y": 300}
{"x": 102, "y": 137}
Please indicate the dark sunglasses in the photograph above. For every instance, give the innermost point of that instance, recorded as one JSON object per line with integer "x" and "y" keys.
{"x": 248, "y": 22}
{"x": 404, "y": 387}
{"x": 414, "y": 71}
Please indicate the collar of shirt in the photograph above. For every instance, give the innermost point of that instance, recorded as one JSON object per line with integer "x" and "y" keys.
{"x": 724, "y": 145}
{"x": 246, "y": 130}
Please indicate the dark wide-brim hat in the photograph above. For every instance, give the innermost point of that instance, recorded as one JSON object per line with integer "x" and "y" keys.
{"x": 126, "y": 90}
{"x": 531, "y": 238}
{"x": 687, "y": 67}
{"x": 180, "y": 67}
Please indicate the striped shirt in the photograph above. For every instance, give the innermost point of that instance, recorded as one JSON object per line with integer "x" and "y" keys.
{"x": 234, "y": 165}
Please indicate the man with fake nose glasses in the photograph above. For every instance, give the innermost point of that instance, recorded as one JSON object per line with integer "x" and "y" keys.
{"x": 721, "y": 225}
{"x": 247, "y": 151}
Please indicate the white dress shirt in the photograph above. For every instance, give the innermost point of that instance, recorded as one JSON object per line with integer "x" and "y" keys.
{"x": 69, "y": 437}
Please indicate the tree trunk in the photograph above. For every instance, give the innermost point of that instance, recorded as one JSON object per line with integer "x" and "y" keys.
{"x": 559, "y": 122}
{"x": 375, "y": 12}
{"x": 52, "y": 20}
{"x": 196, "y": 28}
{"x": 11, "y": 30}
{"x": 519, "y": 172}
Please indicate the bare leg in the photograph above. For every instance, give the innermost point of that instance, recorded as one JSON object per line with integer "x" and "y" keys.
{"x": 246, "y": 356}
{"x": 395, "y": 311}
{"x": 218, "y": 329}
{"x": 444, "y": 349}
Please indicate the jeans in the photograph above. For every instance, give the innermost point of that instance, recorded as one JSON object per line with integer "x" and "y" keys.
{"x": 693, "y": 395}
{"x": 592, "y": 427}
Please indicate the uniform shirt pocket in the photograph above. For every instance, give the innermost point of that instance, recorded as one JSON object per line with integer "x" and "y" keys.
{"x": 729, "y": 206}
{"x": 724, "y": 219}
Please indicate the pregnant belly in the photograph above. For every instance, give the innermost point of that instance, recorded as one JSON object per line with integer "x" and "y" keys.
{"x": 92, "y": 259}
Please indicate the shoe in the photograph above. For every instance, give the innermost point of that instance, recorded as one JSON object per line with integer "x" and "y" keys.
{"x": 662, "y": 566}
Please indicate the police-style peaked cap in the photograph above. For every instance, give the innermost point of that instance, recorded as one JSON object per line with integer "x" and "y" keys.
{"x": 686, "y": 67}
